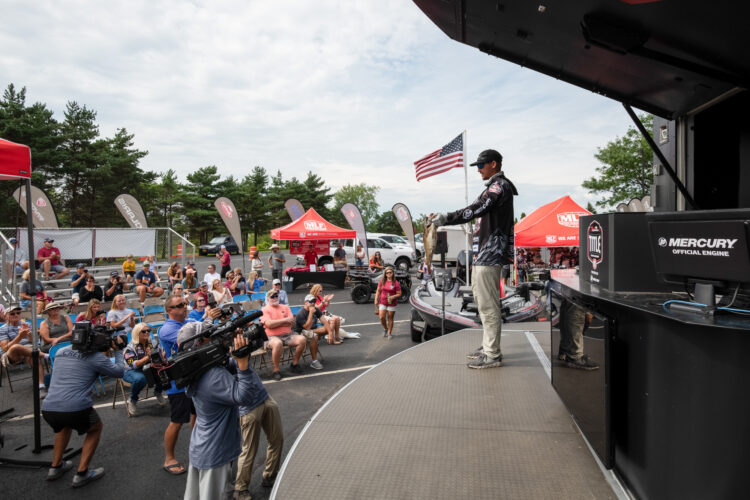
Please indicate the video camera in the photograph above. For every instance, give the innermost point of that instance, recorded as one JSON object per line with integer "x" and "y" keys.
{"x": 189, "y": 365}
{"x": 89, "y": 338}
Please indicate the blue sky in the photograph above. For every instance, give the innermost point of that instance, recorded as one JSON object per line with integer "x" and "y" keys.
{"x": 354, "y": 91}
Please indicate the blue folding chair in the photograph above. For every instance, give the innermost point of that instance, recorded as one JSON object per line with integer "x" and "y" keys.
{"x": 154, "y": 315}
{"x": 241, "y": 298}
{"x": 258, "y": 296}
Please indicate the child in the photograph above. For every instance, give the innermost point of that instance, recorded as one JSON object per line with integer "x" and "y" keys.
{"x": 128, "y": 268}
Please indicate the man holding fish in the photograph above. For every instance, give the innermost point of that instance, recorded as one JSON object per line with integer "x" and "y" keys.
{"x": 492, "y": 248}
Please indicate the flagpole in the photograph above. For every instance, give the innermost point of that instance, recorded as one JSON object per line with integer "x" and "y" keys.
{"x": 466, "y": 198}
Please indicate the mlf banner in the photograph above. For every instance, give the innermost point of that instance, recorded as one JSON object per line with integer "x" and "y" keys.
{"x": 294, "y": 208}
{"x": 132, "y": 211}
{"x": 42, "y": 212}
{"x": 354, "y": 218}
{"x": 404, "y": 219}
{"x": 229, "y": 215}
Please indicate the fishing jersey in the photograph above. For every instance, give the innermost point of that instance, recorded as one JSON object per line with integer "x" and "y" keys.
{"x": 493, "y": 240}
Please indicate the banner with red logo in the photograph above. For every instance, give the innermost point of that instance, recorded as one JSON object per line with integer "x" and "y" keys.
{"x": 552, "y": 225}
{"x": 42, "y": 211}
{"x": 299, "y": 247}
{"x": 403, "y": 216}
{"x": 229, "y": 215}
{"x": 354, "y": 218}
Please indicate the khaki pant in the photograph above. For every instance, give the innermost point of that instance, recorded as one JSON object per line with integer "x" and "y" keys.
{"x": 265, "y": 416}
{"x": 485, "y": 284}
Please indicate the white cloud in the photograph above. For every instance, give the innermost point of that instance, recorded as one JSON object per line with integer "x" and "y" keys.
{"x": 352, "y": 90}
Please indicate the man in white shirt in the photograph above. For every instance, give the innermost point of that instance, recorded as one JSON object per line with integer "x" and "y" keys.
{"x": 211, "y": 275}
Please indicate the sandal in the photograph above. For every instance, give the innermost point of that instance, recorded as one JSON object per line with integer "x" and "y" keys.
{"x": 171, "y": 469}
{"x": 334, "y": 342}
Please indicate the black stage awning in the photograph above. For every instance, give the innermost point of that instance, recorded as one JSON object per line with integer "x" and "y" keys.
{"x": 667, "y": 57}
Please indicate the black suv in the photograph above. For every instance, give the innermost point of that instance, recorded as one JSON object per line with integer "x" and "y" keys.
{"x": 212, "y": 247}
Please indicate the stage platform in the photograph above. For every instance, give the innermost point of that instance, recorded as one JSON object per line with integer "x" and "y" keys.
{"x": 423, "y": 425}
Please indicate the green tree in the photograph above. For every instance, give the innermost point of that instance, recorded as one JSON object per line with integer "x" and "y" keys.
{"x": 200, "y": 192}
{"x": 361, "y": 195}
{"x": 386, "y": 222}
{"x": 590, "y": 208}
{"x": 627, "y": 168}
{"x": 250, "y": 196}
{"x": 82, "y": 153}
{"x": 315, "y": 195}
{"x": 162, "y": 201}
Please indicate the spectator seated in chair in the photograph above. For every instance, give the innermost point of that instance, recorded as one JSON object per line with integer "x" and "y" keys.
{"x": 307, "y": 318}
{"x": 283, "y": 298}
{"x": 91, "y": 290}
{"x": 255, "y": 282}
{"x": 114, "y": 288}
{"x": 137, "y": 354}
{"x": 128, "y": 268}
{"x": 56, "y": 328}
{"x": 15, "y": 341}
{"x": 41, "y": 294}
{"x": 16, "y": 258}
{"x": 278, "y": 321}
{"x": 322, "y": 303}
{"x": 93, "y": 313}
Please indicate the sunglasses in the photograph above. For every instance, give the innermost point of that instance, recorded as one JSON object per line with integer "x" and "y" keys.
{"x": 480, "y": 166}
{"x": 178, "y": 306}
{"x": 14, "y": 313}
{"x": 274, "y": 296}
{"x": 146, "y": 330}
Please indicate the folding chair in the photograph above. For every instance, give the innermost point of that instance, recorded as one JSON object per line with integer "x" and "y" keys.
{"x": 241, "y": 298}
{"x": 153, "y": 301}
{"x": 154, "y": 315}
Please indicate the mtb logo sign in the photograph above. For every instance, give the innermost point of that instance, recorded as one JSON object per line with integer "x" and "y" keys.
{"x": 314, "y": 225}
{"x": 595, "y": 244}
{"x": 569, "y": 219}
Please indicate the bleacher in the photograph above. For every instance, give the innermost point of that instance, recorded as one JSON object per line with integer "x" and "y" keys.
{"x": 61, "y": 291}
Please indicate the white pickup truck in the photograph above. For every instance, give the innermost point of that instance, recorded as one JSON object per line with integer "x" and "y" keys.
{"x": 395, "y": 254}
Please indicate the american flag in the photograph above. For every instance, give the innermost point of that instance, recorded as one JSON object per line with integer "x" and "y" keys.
{"x": 449, "y": 156}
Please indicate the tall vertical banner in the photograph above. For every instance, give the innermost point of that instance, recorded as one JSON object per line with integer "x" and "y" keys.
{"x": 132, "y": 211}
{"x": 42, "y": 212}
{"x": 229, "y": 215}
{"x": 294, "y": 209}
{"x": 354, "y": 218}
{"x": 403, "y": 216}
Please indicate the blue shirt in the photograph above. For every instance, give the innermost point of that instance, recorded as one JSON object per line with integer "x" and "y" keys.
{"x": 168, "y": 339}
{"x": 216, "y": 438}
{"x": 73, "y": 378}
{"x": 257, "y": 284}
{"x": 283, "y": 299}
{"x": 9, "y": 332}
{"x": 146, "y": 278}
{"x": 80, "y": 284}
{"x": 196, "y": 315}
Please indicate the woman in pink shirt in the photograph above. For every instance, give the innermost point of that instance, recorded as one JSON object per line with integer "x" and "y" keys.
{"x": 386, "y": 299}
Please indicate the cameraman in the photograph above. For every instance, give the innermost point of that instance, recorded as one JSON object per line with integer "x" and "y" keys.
{"x": 115, "y": 287}
{"x": 181, "y": 407}
{"x": 69, "y": 406}
{"x": 215, "y": 442}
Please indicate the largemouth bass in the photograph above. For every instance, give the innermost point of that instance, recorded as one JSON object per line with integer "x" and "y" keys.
{"x": 429, "y": 237}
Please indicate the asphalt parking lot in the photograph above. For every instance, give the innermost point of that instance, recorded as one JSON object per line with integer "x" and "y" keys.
{"x": 131, "y": 449}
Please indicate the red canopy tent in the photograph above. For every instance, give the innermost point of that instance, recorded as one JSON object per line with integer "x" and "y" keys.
{"x": 15, "y": 160}
{"x": 552, "y": 225}
{"x": 311, "y": 226}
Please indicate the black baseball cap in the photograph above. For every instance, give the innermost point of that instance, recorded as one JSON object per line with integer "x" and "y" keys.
{"x": 487, "y": 156}
{"x": 114, "y": 273}
{"x": 49, "y": 240}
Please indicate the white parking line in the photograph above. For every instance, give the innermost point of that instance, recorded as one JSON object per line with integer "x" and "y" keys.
{"x": 347, "y": 326}
{"x": 319, "y": 374}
